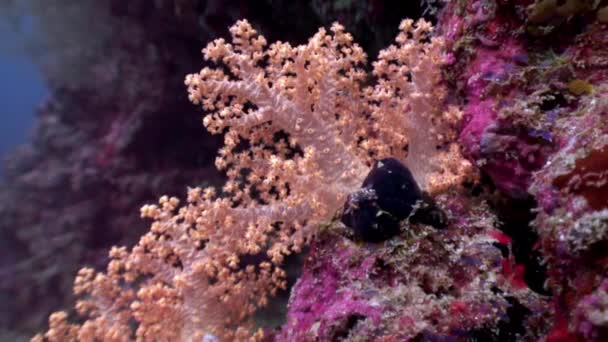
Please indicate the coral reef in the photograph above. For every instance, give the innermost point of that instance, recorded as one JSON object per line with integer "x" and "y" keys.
{"x": 118, "y": 130}
{"x": 518, "y": 86}
{"x": 536, "y": 114}
{"x": 299, "y": 134}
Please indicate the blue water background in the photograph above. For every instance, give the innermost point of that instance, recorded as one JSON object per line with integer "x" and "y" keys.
{"x": 22, "y": 87}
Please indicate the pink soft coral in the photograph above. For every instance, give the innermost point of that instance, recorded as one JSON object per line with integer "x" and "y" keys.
{"x": 301, "y": 132}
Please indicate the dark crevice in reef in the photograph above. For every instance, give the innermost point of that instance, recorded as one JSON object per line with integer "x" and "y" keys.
{"x": 515, "y": 217}
{"x": 511, "y": 328}
{"x": 345, "y": 326}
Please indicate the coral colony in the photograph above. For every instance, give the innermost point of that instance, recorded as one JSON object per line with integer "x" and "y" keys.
{"x": 398, "y": 180}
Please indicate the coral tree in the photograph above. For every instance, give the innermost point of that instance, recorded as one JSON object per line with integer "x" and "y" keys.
{"x": 301, "y": 129}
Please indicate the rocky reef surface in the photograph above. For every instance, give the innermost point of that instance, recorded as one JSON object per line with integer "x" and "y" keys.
{"x": 522, "y": 256}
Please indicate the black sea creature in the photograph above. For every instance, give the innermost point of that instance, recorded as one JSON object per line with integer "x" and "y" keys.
{"x": 389, "y": 194}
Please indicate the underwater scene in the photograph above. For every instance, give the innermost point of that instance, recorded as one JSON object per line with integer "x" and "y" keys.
{"x": 304, "y": 170}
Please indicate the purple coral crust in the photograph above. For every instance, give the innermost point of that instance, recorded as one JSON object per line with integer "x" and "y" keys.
{"x": 424, "y": 282}
{"x": 536, "y": 125}
{"x": 319, "y": 294}
{"x": 505, "y": 152}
